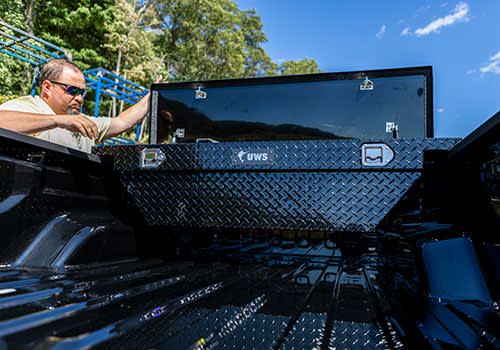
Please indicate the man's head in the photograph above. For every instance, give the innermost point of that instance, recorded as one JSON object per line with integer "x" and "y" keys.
{"x": 57, "y": 81}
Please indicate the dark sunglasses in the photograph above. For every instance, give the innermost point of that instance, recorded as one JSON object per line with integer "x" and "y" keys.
{"x": 70, "y": 89}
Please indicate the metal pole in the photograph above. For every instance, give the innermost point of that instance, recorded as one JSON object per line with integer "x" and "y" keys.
{"x": 36, "y": 70}
{"x": 138, "y": 132}
{"x": 98, "y": 92}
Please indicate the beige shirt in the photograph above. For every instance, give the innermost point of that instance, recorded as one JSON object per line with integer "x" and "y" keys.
{"x": 60, "y": 136}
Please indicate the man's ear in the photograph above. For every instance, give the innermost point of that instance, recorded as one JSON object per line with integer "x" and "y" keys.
{"x": 45, "y": 88}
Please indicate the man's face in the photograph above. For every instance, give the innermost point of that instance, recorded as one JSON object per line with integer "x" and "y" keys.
{"x": 61, "y": 101}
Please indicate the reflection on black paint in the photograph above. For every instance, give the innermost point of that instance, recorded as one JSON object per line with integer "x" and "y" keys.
{"x": 314, "y": 110}
{"x": 198, "y": 125}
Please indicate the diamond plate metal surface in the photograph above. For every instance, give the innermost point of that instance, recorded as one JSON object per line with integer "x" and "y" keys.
{"x": 307, "y": 332}
{"x": 286, "y": 200}
{"x": 355, "y": 335}
{"x": 287, "y": 155}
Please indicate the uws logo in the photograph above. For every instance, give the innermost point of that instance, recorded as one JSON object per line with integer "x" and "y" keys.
{"x": 254, "y": 156}
{"x": 241, "y": 154}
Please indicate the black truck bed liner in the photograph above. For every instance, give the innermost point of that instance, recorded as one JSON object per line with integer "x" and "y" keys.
{"x": 237, "y": 301}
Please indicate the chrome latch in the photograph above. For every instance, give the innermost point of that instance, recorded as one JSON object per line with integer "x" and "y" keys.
{"x": 199, "y": 94}
{"x": 366, "y": 85}
{"x": 179, "y": 133}
{"x": 151, "y": 158}
{"x": 376, "y": 154}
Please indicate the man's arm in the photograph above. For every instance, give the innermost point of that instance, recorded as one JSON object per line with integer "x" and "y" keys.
{"x": 128, "y": 118}
{"x": 32, "y": 123}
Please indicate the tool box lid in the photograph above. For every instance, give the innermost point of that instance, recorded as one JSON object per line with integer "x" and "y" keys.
{"x": 351, "y": 105}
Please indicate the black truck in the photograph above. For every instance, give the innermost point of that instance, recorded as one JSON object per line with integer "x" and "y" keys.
{"x": 298, "y": 212}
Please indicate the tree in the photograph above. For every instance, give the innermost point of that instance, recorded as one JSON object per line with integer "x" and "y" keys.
{"x": 133, "y": 20}
{"x": 304, "y": 66}
{"x": 258, "y": 63}
{"x": 209, "y": 39}
{"x": 28, "y": 8}
{"x": 131, "y": 42}
{"x": 79, "y": 27}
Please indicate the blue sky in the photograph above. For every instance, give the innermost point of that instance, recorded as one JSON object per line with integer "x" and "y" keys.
{"x": 460, "y": 39}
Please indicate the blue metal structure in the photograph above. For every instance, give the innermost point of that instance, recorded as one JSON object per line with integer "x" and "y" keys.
{"x": 108, "y": 83}
{"x": 28, "y": 48}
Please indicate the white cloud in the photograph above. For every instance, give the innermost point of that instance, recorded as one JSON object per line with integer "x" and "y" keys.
{"x": 440, "y": 110}
{"x": 470, "y": 71}
{"x": 406, "y": 31}
{"x": 444, "y": 4}
{"x": 459, "y": 14}
{"x": 381, "y": 32}
{"x": 493, "y": 66}
{"x": 496, "y": 57}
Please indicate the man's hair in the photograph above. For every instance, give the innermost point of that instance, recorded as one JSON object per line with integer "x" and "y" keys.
{"x": 53, "y": 69}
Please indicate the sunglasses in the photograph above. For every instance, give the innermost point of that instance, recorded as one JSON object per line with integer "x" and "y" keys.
{"x": 72, "y": 90}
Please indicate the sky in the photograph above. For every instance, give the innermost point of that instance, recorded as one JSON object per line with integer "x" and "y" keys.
{"x": 459, "y": 39}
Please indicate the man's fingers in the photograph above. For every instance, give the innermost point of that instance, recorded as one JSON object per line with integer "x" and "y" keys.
{"x": 95, "y": 131}
{"x": 81, "y": 129}
{"x": 90, "y": 132}
{"x": 90, "y": 127}
{"x": 83, "y": 125}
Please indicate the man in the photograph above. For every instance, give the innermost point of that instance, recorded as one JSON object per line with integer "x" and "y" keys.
{"x": 55, "y": 114}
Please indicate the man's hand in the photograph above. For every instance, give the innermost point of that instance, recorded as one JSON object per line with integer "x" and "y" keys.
{"x": 77, "y": 123}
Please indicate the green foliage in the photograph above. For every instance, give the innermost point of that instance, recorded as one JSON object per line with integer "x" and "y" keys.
{"x": 201, "y": 38}
{"x": 77, "y": 26}
{"x": 141, "y": 60}
{"x": 304, "y": 66}
{"x": 210, "y": 39}
{"x": 11, "y": 69}
{"x": 5, "y": 98}
{"x": 11, "y": 13}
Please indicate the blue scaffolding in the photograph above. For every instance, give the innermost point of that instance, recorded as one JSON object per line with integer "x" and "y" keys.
{"x": 108, "y": 83}
{"x": 28, "y": 48}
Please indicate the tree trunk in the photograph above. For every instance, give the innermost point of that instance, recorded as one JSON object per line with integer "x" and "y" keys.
{"x": 28, "y": 11}
{"x": 136, "y": 21}
{"x": 122, "y": 103}
{"x": 158, "y": 69}
{"x": 117, "y": 72}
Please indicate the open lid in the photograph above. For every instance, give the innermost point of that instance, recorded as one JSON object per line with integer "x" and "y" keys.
{"x": 350, "y": 105}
